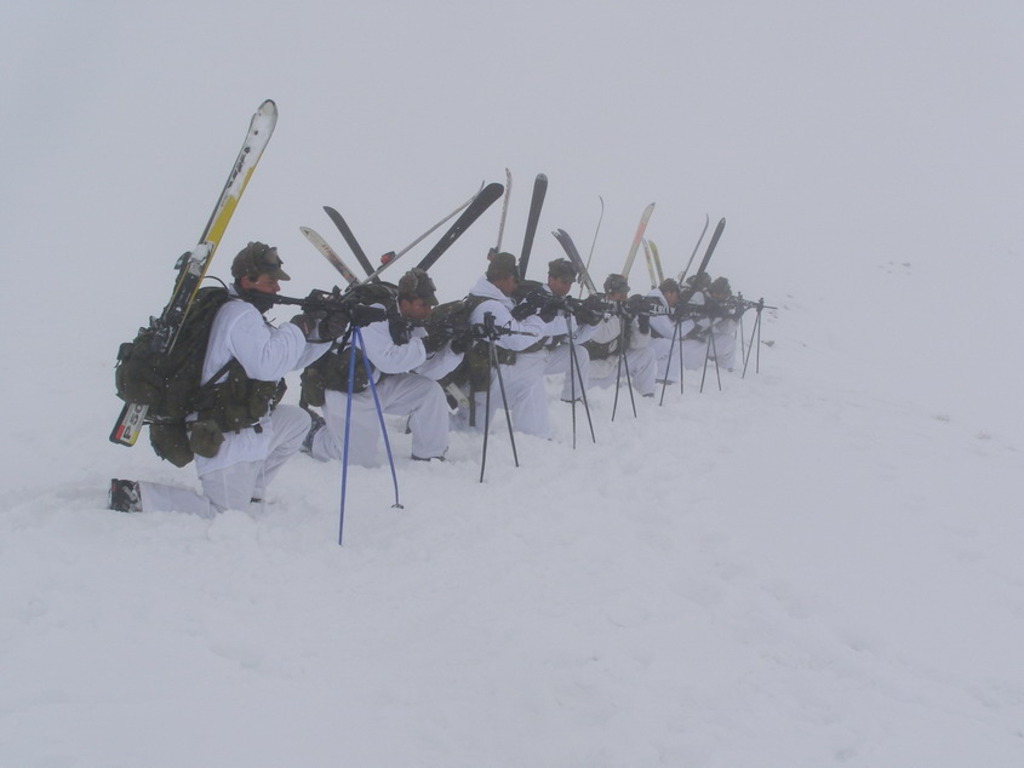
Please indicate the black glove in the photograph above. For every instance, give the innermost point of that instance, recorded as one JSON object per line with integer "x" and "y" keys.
{"x": 438, "y": 334}
{"x": 334, "y": 325}
{"x": 433, "y": 343}
{"x": 682, "y": 311}
{"x": 549, "y": 310}
{"x": 309, "y": 324}
{"x": 644, "y": 323}
{"x": 591, "y": 311}
{"x": 635, "y": 305}
{"x": 523, "y": 310}
{"x": 461, "y": 342}
{"x": 362, "y": 315}
{"x": 400, "y": 330}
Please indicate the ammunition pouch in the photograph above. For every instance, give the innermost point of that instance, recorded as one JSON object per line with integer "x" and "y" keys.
{"x": 330, "y": 372}
{"x": 170, "y": 441}
{"x": 238, "y": 402}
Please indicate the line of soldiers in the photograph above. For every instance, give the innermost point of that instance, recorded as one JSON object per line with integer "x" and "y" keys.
{"x": 501, "y": 341}
{"x": 537, "y": 330}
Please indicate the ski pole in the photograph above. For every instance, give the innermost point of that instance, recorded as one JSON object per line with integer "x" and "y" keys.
{"x": 576, "y": 375}
{"x": 592, "y": 244}
{"x": 355, "y": 339}
{"x": 750, "y": 347}
{"x": 380, "y": 417}
{"x": 348, "y": 426}
{"x": 707, "y": 357}
{"x": 668, "y": 363}
{"x": 618, "y": 378}
{"x": 504, "y": 403}
{"x": 681, "y": 365}
{"x": 623, "y": 364}
{"x": 494, "y": 366}
{"x": 487, "y": 405}
{"x": 712, "y": 345}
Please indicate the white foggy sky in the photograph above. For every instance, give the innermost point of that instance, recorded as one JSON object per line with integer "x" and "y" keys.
{"x": 830, "y": 135}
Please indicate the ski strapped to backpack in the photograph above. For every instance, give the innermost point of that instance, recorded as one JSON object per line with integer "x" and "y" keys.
{"x": 573, "y": 254}
{"x": 641, "y": 227}
{"x": 540, "y": 190}
{"x": 170, "y": 385}
{"x": 192, "y": 266}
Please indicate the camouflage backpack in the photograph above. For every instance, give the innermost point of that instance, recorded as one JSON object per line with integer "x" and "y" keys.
{"x": 330, "y": 371}
{"x": 170, "y": 385}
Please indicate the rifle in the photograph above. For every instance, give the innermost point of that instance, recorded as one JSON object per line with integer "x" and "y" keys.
{"x": 355, "y": 312}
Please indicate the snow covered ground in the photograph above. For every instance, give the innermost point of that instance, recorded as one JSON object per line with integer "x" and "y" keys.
{"x": 818, "y": 565}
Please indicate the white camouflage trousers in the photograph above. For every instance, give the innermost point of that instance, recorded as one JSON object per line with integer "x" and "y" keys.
{"x": 233, "y": 486}
{"x": 404, "y": 394}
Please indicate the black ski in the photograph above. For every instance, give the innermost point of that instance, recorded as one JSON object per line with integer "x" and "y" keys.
{"x": 715, "y": 236}
{"x": 540, "y": 189}
{"x": 574, "y": 256}
{"x": 473, "y": 211}
{"x": 390, "y": 256}
{"x": 350, "y": 238}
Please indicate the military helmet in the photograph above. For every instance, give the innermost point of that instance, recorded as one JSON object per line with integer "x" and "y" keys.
{"x": 502, "y": 264}
{"x": 615, "y": 283}
{"x": 258, "y": 259}
{"x": 669, "y": 284}
{"x": 416, "y": 284}
{"x": 562, "y": 269}
{"x": 720, "y": 287}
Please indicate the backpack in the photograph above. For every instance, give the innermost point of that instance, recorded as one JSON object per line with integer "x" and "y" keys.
{"x": 330, "y": 371}
{"x": 170, "y": 385}
{"x": 474, "y": 370}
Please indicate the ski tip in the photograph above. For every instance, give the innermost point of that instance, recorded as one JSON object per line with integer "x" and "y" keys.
{"x": 267, "y": 113}
{"x": 492, "y": 191}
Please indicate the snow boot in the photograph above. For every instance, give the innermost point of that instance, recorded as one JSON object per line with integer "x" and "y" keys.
{"x": 124, "y": 496}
